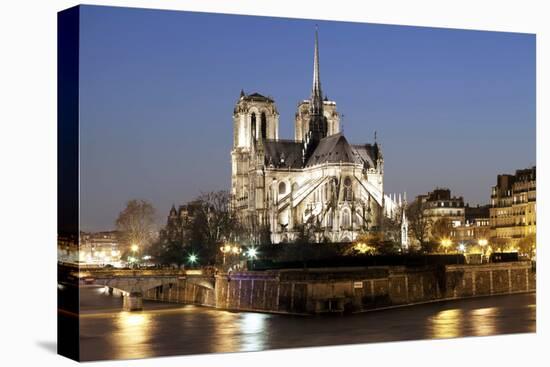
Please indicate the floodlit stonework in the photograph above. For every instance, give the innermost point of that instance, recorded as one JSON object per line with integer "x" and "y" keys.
{"x": 513, "y": 213}
{"x": 317, "y": 182}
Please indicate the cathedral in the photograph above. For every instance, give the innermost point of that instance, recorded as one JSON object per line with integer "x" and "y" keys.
{"x": 317, "y": 181}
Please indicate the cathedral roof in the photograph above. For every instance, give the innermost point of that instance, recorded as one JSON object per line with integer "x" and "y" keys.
{"x": 257, "y": 97}
{"x": 368, "y": 153}
{"x": 336, "y": 149}
{"x": 332, "y": 149}
{"x": 283, "y": 153}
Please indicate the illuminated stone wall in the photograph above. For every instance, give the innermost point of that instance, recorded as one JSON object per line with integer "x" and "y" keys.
{"x": 183, "y": 291}
{"x": 349, "y": 290}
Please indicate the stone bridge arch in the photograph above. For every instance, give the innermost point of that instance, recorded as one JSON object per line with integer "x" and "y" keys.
{"x": 135, "y": 284}
{"x": 178, "y": 286}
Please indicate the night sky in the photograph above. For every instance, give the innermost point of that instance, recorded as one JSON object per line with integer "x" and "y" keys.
{"x": 451, "y": 108}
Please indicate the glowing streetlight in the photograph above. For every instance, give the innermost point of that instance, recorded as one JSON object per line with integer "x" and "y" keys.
{"x": 482, "y": 243}
{"x": 192, "y": 259}
{"x": 134, "y": 258}
{"x": 252, "y": 253}
{"x": 225, "y": 249}
{"x": 461, "y": 247}
{"x": 446, "y": 243}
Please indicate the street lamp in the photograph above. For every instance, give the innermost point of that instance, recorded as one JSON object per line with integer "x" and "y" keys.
{"x": 482, "y": 243}
{"x": 225, "y": 249}
{"x": 446, "y": 243}
{"x": 135, "y": 249}
{"x": 192, "y": 259}
{"x": 252, "y": 254}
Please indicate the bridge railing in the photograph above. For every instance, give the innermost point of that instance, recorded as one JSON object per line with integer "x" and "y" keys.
{"x": 101, "y": 273}
{"x": 115, "y": 273}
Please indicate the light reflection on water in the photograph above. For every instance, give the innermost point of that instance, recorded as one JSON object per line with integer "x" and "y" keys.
{"x": 446, "y": 324}
{"x": 253, "y": 331}
{"x": 131, "y": 338}
{"x": 483, "y": 320}
{"x": 225, "y": 331}
{"x": 164, "y": 329}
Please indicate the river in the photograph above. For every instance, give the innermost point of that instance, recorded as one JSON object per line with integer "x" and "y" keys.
{"x": 168, "y": 329}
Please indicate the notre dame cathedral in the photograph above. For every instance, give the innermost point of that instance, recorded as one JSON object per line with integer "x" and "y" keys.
{"x": 318, "y": 180}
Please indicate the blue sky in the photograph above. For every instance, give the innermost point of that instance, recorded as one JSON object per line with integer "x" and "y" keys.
{"x": 451, "y": 108}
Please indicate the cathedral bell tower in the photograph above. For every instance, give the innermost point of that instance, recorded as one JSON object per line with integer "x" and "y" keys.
{"x": 255, "y": 121}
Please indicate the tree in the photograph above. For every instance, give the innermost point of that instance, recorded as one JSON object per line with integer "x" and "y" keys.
{"x": 211, "y": 223}
{"x": 136, "y": 223}
{"x": 419, "y": 223}
{"x": 391, "y": 227}
{"x": 168, "y": 252}
{"x": 252, "y": 233}
{"x": 441, "y": 229}
{"x": 373, "y": 243}
{"x": 528, "y": 245}
{"x": 305, "y": 235}
{"x": 499, "y": 244}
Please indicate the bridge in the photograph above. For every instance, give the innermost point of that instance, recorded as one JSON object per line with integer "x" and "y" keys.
{"x": 133, "y": 283}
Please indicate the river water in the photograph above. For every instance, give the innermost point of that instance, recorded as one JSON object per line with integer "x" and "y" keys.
{"x": 168, "y": 329}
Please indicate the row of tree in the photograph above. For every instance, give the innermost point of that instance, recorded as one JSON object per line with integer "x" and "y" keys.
{"x": 428, "y": 234}
{"x": 210, "y": 223}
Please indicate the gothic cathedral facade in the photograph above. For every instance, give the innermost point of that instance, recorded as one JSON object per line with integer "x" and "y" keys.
{"x": 317, "y": 182}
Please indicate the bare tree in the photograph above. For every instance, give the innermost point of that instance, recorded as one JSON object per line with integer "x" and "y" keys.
{"x": 499, "y": 244}
{"x": 136, "y": 223}
{"x": 218, "y": 219}
{"x": 419, "y": 223}
{"x": 212, "y": 223}
{"x": 441, "y": 229}
{"x": 391, "y": 227}
{"x": 528, "y": 245}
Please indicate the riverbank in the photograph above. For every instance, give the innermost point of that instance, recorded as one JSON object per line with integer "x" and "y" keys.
{"x": 347, "y": 290}
{"x": 195, "y": 329}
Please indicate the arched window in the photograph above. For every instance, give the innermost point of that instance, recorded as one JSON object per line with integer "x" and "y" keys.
{"x": 264, "y": 126}
{"x": 282, "y": 188}
{"x": 329, "y": 219}
{"x": 253, "y": 125}
{"x": 346, "y": 218}
{"x": 347, "y": 189}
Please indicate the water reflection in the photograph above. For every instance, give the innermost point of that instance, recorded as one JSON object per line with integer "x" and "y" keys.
{"x": 483, "y": 321}
{"x": 446, "y": 324}
{"x": 170, "y": 329}
{"x": 226, "y": 330}
{"x": 131, "y": 339}
{"x": 253, "y": 331}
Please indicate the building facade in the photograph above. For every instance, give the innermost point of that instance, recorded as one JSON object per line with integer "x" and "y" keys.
{"x": 439, "y": 204}
{"x": 513, "y": 205}
{"x": 178, "y": 222}
{"x": 475, "y": 226}
{"x": 100, "y": 248}
{"x": 316, "y": 181}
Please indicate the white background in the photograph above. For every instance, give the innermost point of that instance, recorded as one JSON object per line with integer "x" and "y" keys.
{"x": 28, "y": 180}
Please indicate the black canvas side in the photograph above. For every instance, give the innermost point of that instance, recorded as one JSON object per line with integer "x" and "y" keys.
{"x": 68, "y": 176}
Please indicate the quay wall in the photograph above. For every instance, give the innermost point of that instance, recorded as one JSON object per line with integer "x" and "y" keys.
{"x": 309, "y": 291}
{"x": 185, "y": 290}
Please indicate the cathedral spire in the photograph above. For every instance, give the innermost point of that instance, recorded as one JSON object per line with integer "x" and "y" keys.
{"x": 316, "y": 94}
{"x": 317, "y": 125}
